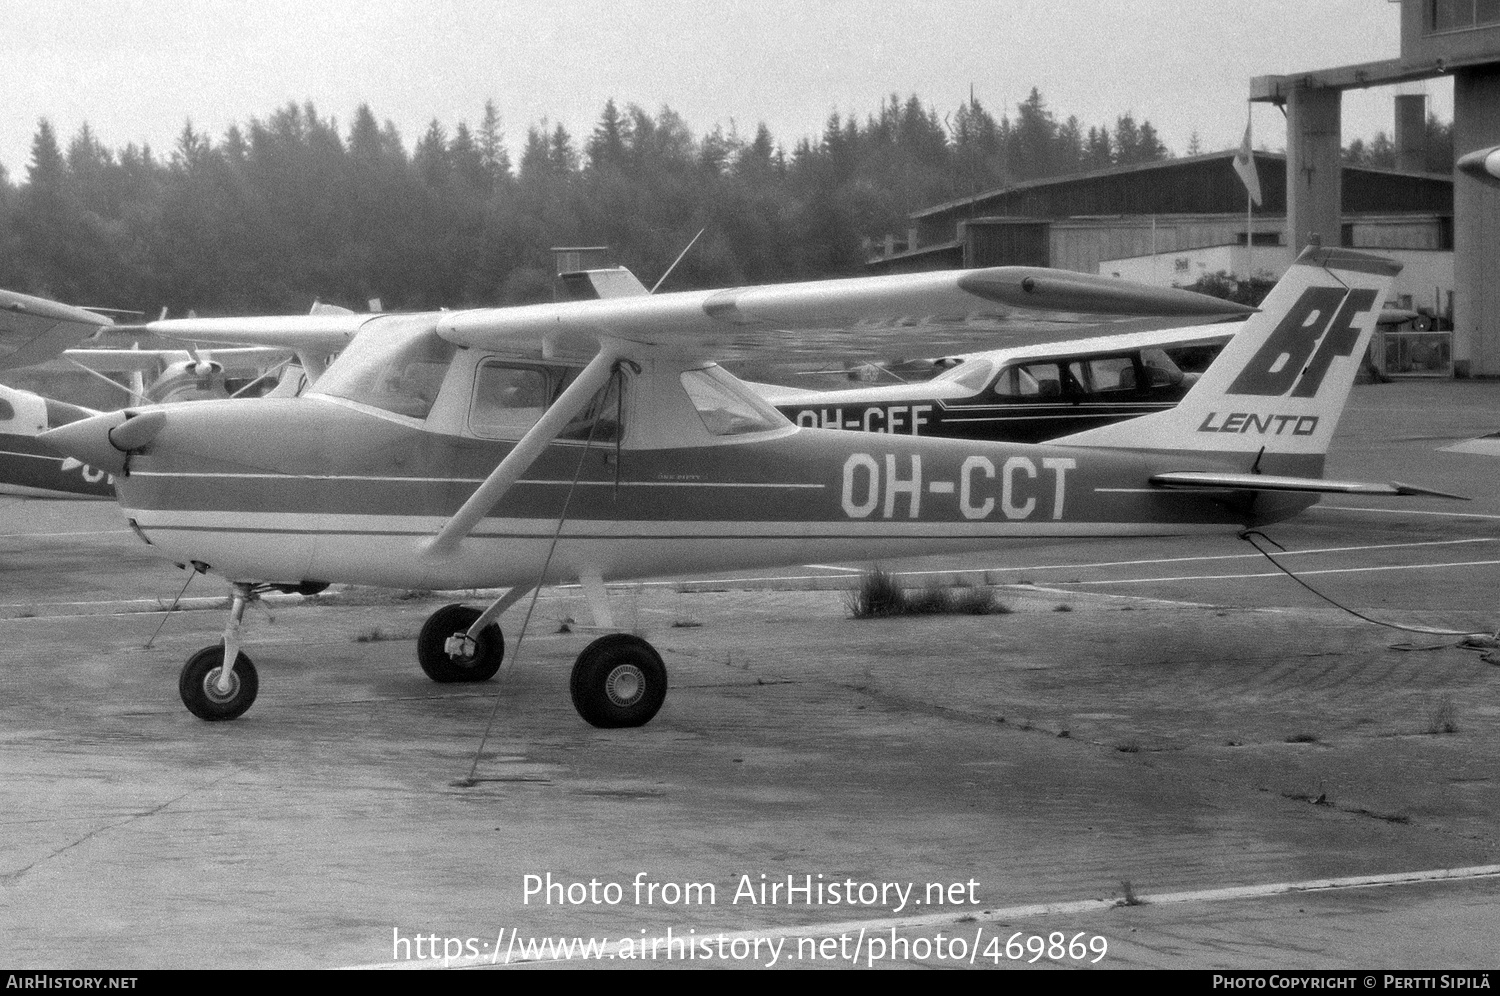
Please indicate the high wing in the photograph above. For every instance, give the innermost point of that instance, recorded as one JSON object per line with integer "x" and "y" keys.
{"x": 931, "y": 311}
{"x": 237, "y": 360}
{"x": 34, "y": 330}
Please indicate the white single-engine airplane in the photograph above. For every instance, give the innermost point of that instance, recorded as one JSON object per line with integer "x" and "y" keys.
{"x": 443, "y": 451}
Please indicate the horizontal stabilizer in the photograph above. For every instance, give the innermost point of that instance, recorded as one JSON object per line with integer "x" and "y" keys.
{"x": 1268, "y": 482}
{"x": 593, "y": 285}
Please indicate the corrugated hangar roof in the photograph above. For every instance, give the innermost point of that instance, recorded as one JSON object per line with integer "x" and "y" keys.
{"x": 1193, "y": 185}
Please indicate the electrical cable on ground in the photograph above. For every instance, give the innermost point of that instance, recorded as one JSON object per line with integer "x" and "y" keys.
{"x": 1248, "y": 535}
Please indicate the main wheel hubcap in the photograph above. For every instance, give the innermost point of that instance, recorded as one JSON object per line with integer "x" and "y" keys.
{"x": 211, "y": 685}
{"x": 625, "y": 685}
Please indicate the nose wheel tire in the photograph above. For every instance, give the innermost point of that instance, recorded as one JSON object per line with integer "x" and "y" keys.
{"x": 480, "y": 659}
{"x": 619, "y": 680}
{"x": 199, "y": 685}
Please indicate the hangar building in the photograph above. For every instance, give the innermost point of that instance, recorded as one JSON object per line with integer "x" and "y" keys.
{"x": 1175, "y": 221}
{"x": 1170, "y": 222}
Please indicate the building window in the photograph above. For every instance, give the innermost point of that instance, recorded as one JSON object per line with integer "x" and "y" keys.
{"x": 1457, "y": 15}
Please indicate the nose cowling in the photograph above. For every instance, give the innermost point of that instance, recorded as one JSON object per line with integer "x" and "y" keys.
{"x": 105, "y": 441}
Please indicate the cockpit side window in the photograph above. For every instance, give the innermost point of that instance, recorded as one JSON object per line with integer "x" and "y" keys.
{"x": 508, "y": 399}
{"x": 972, "y": 373}
{"x": 601, "y": 419}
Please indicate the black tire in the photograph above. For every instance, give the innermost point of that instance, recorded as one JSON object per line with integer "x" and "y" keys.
{"x": 619, "y": 680}
{"x": 489, "y": 650}
{"x": 199, "y": 677}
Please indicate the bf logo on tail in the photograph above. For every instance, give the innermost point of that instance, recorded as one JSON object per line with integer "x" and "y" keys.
{"x": 1297, "y": 355}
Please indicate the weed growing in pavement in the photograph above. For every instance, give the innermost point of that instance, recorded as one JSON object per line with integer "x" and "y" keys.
{"x": 879, "y": 595}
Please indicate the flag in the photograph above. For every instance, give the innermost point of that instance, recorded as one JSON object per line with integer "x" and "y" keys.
{"x": 1244, "y": 165}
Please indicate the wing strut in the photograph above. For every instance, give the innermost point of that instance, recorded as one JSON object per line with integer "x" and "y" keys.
{"x": 567, "y": 407}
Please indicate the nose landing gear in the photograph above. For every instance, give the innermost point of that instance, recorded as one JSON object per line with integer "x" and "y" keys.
{"x": 219, "y": 682}
{"x": 448, "y": 653}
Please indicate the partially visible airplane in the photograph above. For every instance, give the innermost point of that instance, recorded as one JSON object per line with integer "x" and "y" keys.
{"x": 1028, "y": 393}
{"x": 1025, "y": 394}
{"x": 34, "y": 329}
{"x": 1482, "y": 164}
{"x": 437, "y": 452}
{"x": 30, "y": 468}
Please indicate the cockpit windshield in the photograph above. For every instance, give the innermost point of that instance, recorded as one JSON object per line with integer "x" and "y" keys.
{"x": 396, "y": 365}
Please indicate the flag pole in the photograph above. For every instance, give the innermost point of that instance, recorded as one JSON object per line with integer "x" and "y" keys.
{"x": 1250, "y": 195}
{"x": 1249, "y": 234}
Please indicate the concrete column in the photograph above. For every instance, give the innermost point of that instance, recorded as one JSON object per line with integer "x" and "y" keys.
{"x": 1313, "y": 167}
{"x": 1411, "y": 132}
{"x": 1476, "y": 228}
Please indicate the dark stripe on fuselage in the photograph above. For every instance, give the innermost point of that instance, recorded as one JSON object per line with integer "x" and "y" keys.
{"x": 996, "y": 422}
{"x": 27, "y": 463}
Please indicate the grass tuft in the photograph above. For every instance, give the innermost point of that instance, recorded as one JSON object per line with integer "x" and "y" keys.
{"x": 880, "y": 596}
{"x": 877, "y": 597}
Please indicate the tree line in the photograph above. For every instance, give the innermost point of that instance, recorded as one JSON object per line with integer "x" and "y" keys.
{"x": 283, "y": 210}
{"x": 1380, "y": 152}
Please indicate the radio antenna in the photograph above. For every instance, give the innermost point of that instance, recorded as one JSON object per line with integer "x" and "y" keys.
{"x": 684, "y": 252}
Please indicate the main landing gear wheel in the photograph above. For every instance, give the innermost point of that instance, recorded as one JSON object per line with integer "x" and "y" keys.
{"x": 618, "y": 680}
{"x": 478, "y": 660}
{"x": 199, "y": 685}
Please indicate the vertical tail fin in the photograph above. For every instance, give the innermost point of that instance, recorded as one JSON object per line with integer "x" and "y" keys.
{"x": 1280, "y": 385}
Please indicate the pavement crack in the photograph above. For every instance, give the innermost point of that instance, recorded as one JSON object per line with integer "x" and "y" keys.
{"x": 9, "y": 878}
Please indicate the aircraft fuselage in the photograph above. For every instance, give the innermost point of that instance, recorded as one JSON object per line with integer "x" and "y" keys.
{"x": 315, "y": 489}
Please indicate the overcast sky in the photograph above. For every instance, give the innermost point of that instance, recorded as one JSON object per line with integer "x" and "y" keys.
{"x": 136, "y": 70}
